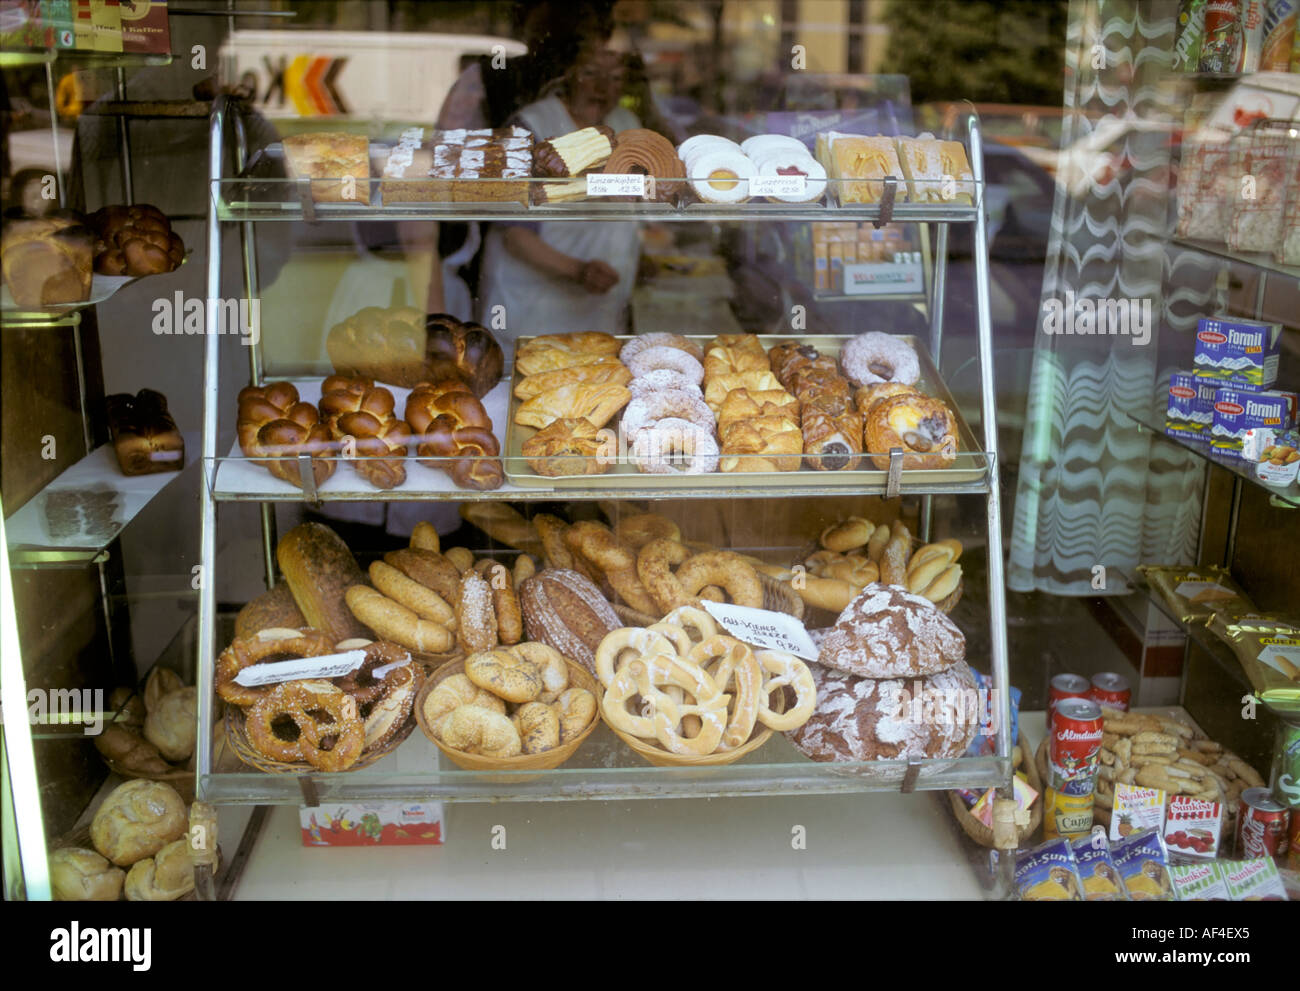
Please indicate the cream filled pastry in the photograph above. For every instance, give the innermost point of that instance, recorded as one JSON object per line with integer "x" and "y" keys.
{"x": 573, "y": 153}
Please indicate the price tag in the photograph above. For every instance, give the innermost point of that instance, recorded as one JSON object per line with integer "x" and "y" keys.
{"x": 602, "y": 184}
{"x": 326, "y": 666}
{"x": 761, "y": 628}
{"x": 777, "y": 185}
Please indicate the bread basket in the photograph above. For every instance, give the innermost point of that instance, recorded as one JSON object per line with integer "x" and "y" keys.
{"x": 777, "y": 597}
{"x": 579, "y": 677}
{"x": 237, "y": 734}
{"x": 653, "y": 753}
{"x": 982, "y": 834}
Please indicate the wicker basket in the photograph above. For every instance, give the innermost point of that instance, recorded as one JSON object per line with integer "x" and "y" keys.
{"x": 982, "y": 834}
{"x": 653, "y": 753}
{"x": 237, "y": 734}
{"x": 579, "y": 677}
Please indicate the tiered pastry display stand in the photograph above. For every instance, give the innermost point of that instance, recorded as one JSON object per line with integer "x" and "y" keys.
{"x": 603, "y": 768}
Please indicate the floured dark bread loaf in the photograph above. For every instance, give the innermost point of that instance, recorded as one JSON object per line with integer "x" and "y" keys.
{"x": 889, "y": 719}
{"x": 887, "y": 632}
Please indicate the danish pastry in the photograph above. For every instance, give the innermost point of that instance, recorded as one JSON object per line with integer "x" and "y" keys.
{"x": 923, "y": 427}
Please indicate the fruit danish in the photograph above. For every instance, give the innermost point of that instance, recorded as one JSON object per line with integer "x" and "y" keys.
{"x": 923, "y": 427}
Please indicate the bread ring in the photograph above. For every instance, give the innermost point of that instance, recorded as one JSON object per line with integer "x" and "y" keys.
{"x": 632, "y": 681}
{"x": 453, "y": 692}
{"x": 328, "y": 744}
{"x": 629, "y": 638}
{"x": 847, "y": 534}
{"x": 393, "y": 621}
{"x": 425, "y": 538}
{"x": 727, "y": 570}
{"x": 505, "y": 603}
{"x": 641, "y": 342}
{"x": 634, "y": 532}
{"x": 893, "y": 561}
{"x": 429, "y": 568}
{"x": 668, "y": 404}
{"x": 653, "y": 567}
{"x": 272, "y": 644}
{"x": 696, "y": 622}
{"x": 551, "y": 668}
{"x": 877, "y": 357}
{"x": 386, "y": 716}
{"x": 361, "y": 683}
{"x": 423, "y": 601}
{"x": 665, "y": 357}
{"x": 876, "y": 545}
{"x": 675, "y": 635}
{"x": 474, "y": 730}
{"x": 461, "y": 557}
{"x": 538, "y": 726}
{"x": 504, "y": 674}
{"x": 642, "y": 676}
{"x": 780, "y": 670}
{"x": 576, "y": 708}
{"x": 733, "y": 660}
{"x": 476, "y": 624}
{"x": 551, "y": 530}
{"x": 661, "y": 380}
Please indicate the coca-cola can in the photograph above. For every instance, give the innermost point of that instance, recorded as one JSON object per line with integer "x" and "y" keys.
{"x": 1262, "y": 824}
{"x": 1110, "y": 690}
{"x": 1066, "y": 686}
{"x": 1074, "y": 751}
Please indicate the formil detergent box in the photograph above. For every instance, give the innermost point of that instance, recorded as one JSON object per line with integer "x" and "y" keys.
{"x": 1238, "y": 409}
{"x": 1190, "y": 413}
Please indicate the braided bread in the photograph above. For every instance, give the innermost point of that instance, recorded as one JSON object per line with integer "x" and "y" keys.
{"x": 273, "y": 423}
{"x": 356, "y": 409}
{"x": 448, "y": 421}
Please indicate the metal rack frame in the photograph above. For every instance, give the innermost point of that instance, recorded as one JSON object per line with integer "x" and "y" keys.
{"x": 633, "y": 781}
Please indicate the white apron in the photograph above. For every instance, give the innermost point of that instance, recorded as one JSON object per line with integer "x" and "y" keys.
{"x": 538, "y": 303}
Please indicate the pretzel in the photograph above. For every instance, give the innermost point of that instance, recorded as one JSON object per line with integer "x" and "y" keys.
{"x": 696, "y": 622}
{"x": 298, "y": 700}
{"x": 266, "y": 645}
{"x": 505, "y": 675}
{"x": 779, "y": 670}
{"x": 361, "y": 683}
{"x": 642, "y": 677}
{"x": 639, "y": 641}
{"x": 676, "y": 635}
{"x": 731, "y": 658}
{"x": 623, "y": 687}
{"x": 637, "y": 531}
{"x": 653, "y": 566}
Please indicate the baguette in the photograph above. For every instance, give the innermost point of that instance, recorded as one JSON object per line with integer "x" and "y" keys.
{"x": 393, "y": 621}
{"x": 504, "y": 524}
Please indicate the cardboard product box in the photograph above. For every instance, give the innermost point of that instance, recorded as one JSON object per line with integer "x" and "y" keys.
{"x": 145, "y": 28}
{"x": 1238, "y": 409}
{"x": 20, "y": 24}
{"x": 56, "y": 20}
{"x": 97, "y": 26}
{"x": 1236, "y": 351}
{"x": 368, "y": 824}
{"x": 821, "y": 265}
{"x": 1190, "y": 413}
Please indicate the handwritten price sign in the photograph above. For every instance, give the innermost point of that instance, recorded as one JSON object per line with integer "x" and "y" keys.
{"x": 761, "y": 628}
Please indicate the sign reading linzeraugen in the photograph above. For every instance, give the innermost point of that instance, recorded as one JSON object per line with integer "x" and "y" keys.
{"x": 1098, "y": 317}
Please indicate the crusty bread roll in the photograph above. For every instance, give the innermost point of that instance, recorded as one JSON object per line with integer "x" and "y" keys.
{"x": 161, "y": 681}
{"x": 128, "y": 748}
{"x": 319, "y": 569}
{"x": 164, "y": 877}
{"x": 171, "y": 724}
{"x": 270, "y": 610}
{"x": 80, "y": 875}
{"x": 137, "y": 820}
{"x": 565, "y": 610}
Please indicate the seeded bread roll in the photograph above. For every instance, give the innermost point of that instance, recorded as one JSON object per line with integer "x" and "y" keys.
{"x": 891, "y": 719}
{"x": 887, "y": 632}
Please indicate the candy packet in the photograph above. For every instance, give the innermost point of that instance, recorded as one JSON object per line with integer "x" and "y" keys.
{"x": 1196, "y": 595}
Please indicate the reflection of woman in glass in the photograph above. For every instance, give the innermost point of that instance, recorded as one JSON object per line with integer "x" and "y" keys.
{"x": 565, "y": 275}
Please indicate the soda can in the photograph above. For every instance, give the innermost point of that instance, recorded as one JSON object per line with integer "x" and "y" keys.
{"x": 1279, "y": 36}
{"x": 1286, "y": 766}
{"x": 1074, "y": 750}
{"x": 1190, "y": 34}
{"x": 1293, "y": 843}
{"x": 1252, "y": 35}
{"x": 1110, "y": 690}
{"x": 1262, "y": 824}
{"x": 1066, "y": 686}
{"x": 1221, "y": 46}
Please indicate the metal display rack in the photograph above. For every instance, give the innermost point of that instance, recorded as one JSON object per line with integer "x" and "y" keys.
{"x": 612, "y": 771}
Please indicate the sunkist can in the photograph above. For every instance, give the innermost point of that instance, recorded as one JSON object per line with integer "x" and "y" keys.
{"x": 1110, "y": 690}
{"x": 1221, "y": 46}
{"x": 1074, "y": 748}
{"x": 1066, "y": 686}
{"x": 1262, "y": 825}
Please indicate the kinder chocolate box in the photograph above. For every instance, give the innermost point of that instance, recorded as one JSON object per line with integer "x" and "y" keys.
{"x": 372, "y": 824}
{"x": 1237, "y": 410}
{"x": 1191, "y": 406}
{"x": 1242, "y": 351}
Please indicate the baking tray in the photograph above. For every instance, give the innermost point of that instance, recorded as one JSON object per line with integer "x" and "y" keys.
{"x": 972, "y": 465}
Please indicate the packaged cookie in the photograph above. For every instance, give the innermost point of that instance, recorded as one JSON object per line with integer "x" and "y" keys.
{"x": 1268, "y": 647}
{"x": 1197, "y": 595}
{"x": 1049, "y": 873}
{"x": 1101, "y": 881}
{"x": 1144, "y": 866}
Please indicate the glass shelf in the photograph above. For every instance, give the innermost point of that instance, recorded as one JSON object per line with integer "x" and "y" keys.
{"x": 83, "y": 59}
{"x": 1258, "y": 260}
{"x": 603, "y": 769}
{"x": 102, "y": 289}
{"x": 1287, "y": 496}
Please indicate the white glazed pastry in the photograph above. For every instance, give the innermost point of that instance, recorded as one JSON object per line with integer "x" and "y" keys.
{"x": 721, "y": 176}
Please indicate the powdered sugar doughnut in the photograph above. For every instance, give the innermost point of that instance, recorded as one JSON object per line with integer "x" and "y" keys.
{"x": 670, "y": 358}
{"x": 670, "y": 404}
{"x": 794, "y": 163}
{"x": 661, "y": 380}
{"x": 643, "y": 341}
{"x": 721, "y": 176}
{"x": 875, "y": 357}
{"x": 667, "y": 441}
{"x": 762, "y": 145}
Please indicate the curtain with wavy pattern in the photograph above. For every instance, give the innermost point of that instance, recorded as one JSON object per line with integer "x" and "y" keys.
{"x": 1092, "y": 489}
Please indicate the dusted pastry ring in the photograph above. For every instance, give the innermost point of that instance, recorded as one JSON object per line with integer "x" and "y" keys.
{"x": 666, "y": 357}
{"x": 876, "y": 357}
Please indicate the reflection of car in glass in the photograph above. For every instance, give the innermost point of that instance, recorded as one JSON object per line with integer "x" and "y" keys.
{"x": 1034, "y": 131}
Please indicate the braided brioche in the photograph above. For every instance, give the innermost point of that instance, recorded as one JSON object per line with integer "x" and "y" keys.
{"x": 448, "y": 421}
{"x": 358, "y": 409}
{"x": 274, "y": 423}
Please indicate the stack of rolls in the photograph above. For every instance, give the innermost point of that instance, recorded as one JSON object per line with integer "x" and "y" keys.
{"x": 572, "y": 385}
{"x": 668, "y": 427}
{"x": 758, "y": 419}
{"x": 828, "y": 418}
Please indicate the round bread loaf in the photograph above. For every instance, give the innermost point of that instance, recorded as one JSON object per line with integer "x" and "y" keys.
{"x": 270, "y": 610}
{"x": 137, "y": 820}
{"x": 887, "y": 632}
{"x": 892, "y": 719}
{"x": 164, "y": 877}
{"x": 80, "y": 875}
{"x": 563, "y": 609}
{"x": 171, "y": 725}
